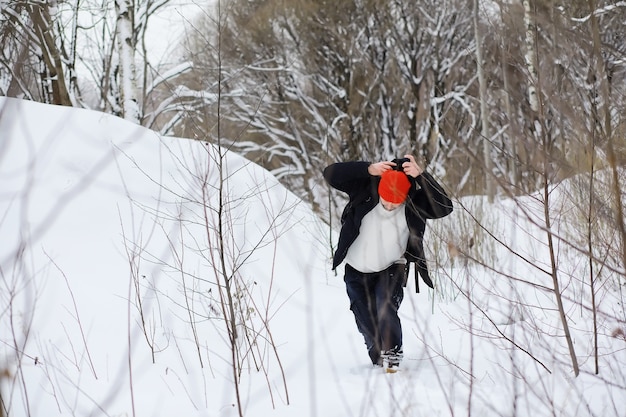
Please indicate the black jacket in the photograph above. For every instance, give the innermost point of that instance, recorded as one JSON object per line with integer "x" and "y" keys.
{"x": 426, "y": 200}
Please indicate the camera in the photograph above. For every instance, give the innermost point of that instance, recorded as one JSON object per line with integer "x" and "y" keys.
{"x": 399, "y": 162}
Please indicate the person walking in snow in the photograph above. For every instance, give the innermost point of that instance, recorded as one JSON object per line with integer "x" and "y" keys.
{"x": 382, "y": 230}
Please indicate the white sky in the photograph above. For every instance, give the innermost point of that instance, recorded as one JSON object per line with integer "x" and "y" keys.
{"x": 168, "y": 25}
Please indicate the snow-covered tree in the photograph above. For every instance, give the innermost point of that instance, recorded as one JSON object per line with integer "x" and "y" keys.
{"x": 35, "y": 63}
{"x": 84, "y": 53}
{"x": 313, "y": 83}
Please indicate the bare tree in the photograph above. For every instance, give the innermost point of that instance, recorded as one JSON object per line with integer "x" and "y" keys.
{"x": 542, "y": 120}
{"x": 51, "y": 49}
{"x": 35, "y": 56}
{"x": 484, "y": 117}
{"x": 310, "y": 86}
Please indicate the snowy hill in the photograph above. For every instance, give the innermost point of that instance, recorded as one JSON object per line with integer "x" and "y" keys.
{"x": 109, "y": 303}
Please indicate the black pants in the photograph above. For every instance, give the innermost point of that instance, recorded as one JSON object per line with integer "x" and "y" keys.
{"x": 374, "y": 300}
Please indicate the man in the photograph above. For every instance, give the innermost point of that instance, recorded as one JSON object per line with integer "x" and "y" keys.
{"x": 382, "y": 230}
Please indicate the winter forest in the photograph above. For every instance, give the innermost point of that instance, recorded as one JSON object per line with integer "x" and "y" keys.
{"x": 299, "y": 84}
{"x": 515, "y": 101}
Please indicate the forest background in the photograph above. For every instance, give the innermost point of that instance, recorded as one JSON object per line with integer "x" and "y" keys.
{"x": 296, "y": 85}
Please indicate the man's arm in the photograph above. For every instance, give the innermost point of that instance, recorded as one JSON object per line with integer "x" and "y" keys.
{"x": 430, "y": 200}
{"x": 342, "y": 175}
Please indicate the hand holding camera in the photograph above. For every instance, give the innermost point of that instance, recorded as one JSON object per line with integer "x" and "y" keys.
{"x": 406, "y": 165}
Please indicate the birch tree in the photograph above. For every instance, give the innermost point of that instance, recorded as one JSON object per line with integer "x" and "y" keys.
{"x": 83, "y": 53}
{"x": 126, "y": 43}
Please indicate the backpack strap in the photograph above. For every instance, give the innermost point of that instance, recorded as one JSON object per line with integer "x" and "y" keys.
{"x": 417, "y": 280}
{"x": 420, "y": 269}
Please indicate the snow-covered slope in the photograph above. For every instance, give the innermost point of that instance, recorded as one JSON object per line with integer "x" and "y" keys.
{"x": 108, "y": 302}
{"x": 96, "y": 210}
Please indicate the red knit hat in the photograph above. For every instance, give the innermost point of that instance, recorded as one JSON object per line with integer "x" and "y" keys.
{"x": 394, "y": 186}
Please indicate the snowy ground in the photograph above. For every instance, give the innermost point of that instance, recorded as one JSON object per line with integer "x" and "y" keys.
{"x": 108, "y": 303}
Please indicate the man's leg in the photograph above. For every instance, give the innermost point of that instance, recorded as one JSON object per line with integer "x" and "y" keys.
{"x": 389, "y": 295}
{"x": 363, "y": 304}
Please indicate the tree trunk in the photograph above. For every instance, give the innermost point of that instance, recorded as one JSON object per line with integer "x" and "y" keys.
{"x": 126, "y": 49}
{"x": 484, "y": 117}
{"x": 531, "y": 57}
{"x": 54, "y": 76}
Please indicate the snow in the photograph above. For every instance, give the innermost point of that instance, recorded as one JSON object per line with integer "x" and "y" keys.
{"x": 95, "y": 211}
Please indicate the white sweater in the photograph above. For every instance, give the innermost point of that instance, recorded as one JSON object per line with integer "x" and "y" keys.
{"x": 382, "y": 240}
